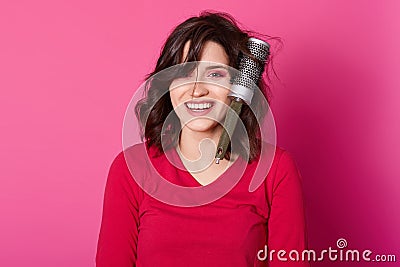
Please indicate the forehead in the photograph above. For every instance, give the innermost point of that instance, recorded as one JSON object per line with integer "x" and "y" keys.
{"x": 211, "y": 51}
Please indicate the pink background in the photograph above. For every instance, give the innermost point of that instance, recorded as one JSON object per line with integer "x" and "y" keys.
{"x": 69, "y": 68}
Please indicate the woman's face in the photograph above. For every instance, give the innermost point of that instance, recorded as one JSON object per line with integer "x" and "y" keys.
{"x": 200, "y": 100}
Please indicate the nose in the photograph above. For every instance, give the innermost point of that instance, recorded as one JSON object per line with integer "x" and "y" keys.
{"x": 199, "y": 90}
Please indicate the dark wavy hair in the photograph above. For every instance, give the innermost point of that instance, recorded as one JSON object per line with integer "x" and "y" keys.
{"x": 153, "y": 109}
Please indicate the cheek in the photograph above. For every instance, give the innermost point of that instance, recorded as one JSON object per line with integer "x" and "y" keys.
{"x": 177, "y": 94}
{"x": 174, "y": 96}
{"x": 222, "y": 95}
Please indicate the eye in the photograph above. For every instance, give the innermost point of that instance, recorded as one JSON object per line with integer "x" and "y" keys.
{"x": 216, "y": 74}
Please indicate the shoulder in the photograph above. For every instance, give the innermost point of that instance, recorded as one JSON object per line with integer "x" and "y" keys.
{"x": 133, "y": 165}
{"x": 132, "y": 153}
{"x": 125, "y": 162}
{"x": 284, "y": 160}
{"x": 278, "y": 158}
{"x": 284, "y": 183}
{"x": 284, "y": 170}
{"x": 287, "y": 174}
{"x": 121, "y": 184}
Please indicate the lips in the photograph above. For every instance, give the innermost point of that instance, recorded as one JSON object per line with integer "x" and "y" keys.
{"x": 199, "y": 106}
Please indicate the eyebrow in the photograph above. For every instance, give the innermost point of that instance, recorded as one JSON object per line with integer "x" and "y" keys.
{"x": 216, "y": 67}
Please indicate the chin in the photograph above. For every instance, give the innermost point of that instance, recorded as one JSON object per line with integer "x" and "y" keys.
{"x": 202, "y": 125}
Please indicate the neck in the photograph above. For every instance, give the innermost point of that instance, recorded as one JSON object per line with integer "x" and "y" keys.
{"x": 193, "y": 143}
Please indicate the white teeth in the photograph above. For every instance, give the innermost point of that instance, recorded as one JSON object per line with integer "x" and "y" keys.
{"x": 198, "y": 106}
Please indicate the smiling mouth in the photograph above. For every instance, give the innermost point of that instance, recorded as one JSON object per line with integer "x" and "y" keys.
{"x": 198, "y": 107}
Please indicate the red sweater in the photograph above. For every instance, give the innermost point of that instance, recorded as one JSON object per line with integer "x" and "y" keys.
{"x": 138, "y": 230}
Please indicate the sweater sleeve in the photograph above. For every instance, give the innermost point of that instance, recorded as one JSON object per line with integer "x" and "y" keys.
{"x": 118, "y": 235}
{"x": 286, "y": 224}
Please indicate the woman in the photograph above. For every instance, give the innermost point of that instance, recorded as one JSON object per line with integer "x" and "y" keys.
{"x": 139, "y": 229}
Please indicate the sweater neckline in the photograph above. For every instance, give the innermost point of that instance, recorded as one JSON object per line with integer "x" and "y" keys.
{"x": 180, "y": 167}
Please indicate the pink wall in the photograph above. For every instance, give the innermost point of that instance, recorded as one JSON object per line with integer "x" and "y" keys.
{"x": 69, "y": 68}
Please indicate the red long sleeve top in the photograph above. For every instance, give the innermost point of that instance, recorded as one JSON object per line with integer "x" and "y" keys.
{"x": 138, "y": 230}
